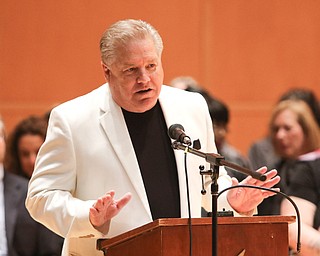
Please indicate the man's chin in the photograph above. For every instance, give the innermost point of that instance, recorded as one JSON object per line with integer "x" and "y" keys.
{"x": 145, "y": 105}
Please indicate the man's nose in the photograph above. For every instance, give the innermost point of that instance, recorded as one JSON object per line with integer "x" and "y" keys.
{"x": 143, "y": 76}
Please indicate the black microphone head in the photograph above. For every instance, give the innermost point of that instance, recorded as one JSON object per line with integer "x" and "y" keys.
{"x": 173, "y": 131}
{"x": 263, "y": 177}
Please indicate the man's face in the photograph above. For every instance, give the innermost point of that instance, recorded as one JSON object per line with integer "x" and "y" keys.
{"x": 136, "y": 76}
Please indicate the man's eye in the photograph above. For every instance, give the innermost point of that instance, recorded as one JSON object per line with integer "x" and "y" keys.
{"x": 151, "y": 66}
{"x": 129, "y": 70}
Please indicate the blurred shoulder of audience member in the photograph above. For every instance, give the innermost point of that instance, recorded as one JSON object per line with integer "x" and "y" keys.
{"x": 24, "y": 143}
{"x": 304, "y": 190}
{"x": 20, "y": 234}
{"x": 261, "y": 152}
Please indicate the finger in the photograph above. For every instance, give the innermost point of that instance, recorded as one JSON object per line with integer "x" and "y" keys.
{"x": 269, "y": 193}
{"x": 123, "y": 201}
{"x": 262, "y": 169}
{"x": 108, "y": 196}
{"x": 252, "y": 181}
{"x": 104, "y": 201}
{"x": 271, "y": 174}
{"x": 272, "y": 182}
{"x": 107, "y": 199}
{"x": 111, "y": 193}
{"x": 98, "y": 204}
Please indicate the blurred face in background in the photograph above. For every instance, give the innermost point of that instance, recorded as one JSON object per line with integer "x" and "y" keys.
{"x": 220, "y": 132}
{"x": 288, "y": 135}
{"x": 28, "y": 147}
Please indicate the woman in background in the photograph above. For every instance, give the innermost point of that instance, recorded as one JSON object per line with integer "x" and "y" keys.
{"x": 23, "y": 145}
{"x": 296, "y": 139}
{"x": 261, "y": 152}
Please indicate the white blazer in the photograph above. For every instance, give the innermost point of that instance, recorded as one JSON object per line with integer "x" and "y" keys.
{"x": 88, "y": 152}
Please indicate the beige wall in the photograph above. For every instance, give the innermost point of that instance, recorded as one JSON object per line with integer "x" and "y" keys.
{"x": 245, "y": 52}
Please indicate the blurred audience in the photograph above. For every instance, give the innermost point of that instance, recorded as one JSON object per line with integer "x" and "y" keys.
{"x": 190, "y": 84}
{"x": 294, "y": 133}
{"x": 296, "y": 138}
{"x": 185, "y": 83}
{"x": 20, "y": 234}
{"x": 23, "y": 145}
{"x": 261, "y": 152}
{"x": 220, "y": 116}
{"x": 219, "y": 113}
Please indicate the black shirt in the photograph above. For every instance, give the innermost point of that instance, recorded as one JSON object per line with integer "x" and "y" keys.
{"x": 152, "y": 145}
{"x": 305, "y": 183}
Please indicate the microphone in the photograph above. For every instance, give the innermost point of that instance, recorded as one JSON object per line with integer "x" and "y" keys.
{"x": 176, "y": 132}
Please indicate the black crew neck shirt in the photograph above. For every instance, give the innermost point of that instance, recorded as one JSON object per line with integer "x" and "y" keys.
{"x": 152, "y": 145}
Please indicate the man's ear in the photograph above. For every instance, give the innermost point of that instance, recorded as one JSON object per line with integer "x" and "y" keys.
{"x": 106, "y": 71}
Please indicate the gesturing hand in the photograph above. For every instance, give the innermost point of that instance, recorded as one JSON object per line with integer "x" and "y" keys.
{"x": 105, "y": 208}
{"x": 244, "y": 200}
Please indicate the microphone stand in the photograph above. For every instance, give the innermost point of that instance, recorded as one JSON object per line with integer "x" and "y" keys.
{"x": 216, "y": 161}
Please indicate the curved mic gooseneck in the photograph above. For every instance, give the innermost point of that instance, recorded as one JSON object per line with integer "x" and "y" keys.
{"x": 282, "y": 194}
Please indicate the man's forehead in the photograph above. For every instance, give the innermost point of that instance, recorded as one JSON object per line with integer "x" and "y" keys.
{"x": 136, "y": 60}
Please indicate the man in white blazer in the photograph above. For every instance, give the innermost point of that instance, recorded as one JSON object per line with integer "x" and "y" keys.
{"x": 90, "y": 152}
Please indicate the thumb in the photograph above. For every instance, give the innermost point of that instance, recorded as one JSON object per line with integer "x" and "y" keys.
{"x": 234, "y": 181}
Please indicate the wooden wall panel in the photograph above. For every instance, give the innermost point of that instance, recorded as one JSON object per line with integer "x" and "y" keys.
{"x": 246, "y": 52}
{"x": 253, "y": 52}
{"x": 49, "y": 50}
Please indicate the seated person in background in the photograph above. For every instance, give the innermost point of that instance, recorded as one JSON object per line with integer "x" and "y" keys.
{"x": 295, "y": 135}
{"x": 189, "y": 84}
{"x": 186, "y": 83}
{"x": 20, "y": 234}
{"x": 219, "y": 113}
{"x": 304, "y": 190}
{"x": 23, "y": 145}
{"x": 261, "y": 153}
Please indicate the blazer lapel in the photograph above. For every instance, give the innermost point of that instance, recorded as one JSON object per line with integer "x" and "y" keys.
{"x": 170, "y": 107}
{"x": 115, "y": 128}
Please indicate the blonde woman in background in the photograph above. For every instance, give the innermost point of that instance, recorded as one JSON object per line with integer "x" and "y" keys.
{"x": 296, "y": 139}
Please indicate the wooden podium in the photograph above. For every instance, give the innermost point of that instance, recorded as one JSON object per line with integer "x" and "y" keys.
{"x": 251, "y": 236}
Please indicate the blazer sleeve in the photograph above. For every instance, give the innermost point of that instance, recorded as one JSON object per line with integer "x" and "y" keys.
{"x": 50, "y": 198}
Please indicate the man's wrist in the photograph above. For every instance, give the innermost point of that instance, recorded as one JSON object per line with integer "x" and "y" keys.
{"x": 249, "y": 213}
